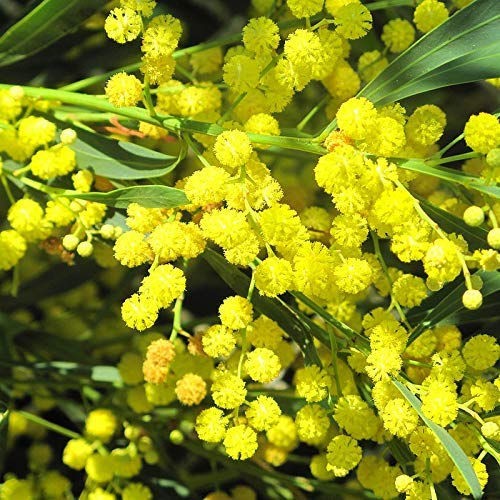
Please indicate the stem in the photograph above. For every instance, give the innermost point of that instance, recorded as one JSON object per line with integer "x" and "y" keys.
{"x": 442, "y": 151}
{"x": 312, "y": 112}
{"x": 334, "y": 350}
{"x": 450, "y": 159}
{"x": 233, "y": 105}
{"x": 148, "y": 102}
{"x": 7, "y": 190}
{"x": 49, "y": 425}
{"x": 177, "y": 325}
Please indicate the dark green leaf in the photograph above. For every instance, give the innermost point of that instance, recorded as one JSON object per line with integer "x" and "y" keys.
{"x": 447, "y": 302}
{"x": 475, "y": 236}
{"x": 41, "y": 27}
{"x": 120, "y": 160}
{"x": 452, "y": 175}
{"x": 465, "y": 48}
{"x": 456, "y": 453}
{"x": 147, "y": 196}
{"x": 298, "y": 327}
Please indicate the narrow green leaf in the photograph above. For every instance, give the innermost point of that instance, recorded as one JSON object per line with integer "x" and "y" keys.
{"x": 452, "y": 175}
{"x": 103, "y": 373}
{"x": 475, "y": 236}
{"x": 147, "y": 196}
{"x": 465, "y": 48}
{"x": 447, "y": 303}
{"x": 4, "y": 431}
{"x": 456, "y": 453}
{"x": 44, "y": 25}
{"x": 293, "y": 324}
{"x": 120, "y": 160}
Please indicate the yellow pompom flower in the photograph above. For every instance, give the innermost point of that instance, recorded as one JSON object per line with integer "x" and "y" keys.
{"x": 228, "y": 391}
{"x": 482, "y": 132}
{"x": 426, "y": 125}
{"x": 304, "y": 8}
{"x": 262, "y": 365}
{"x": 312, "y": 424}
{"x": 76, "y": 452}
{"x": 349, "y": 230}
{"x": 36, "y": 131}
{"x": 355, "y": 417}
{"x": 240, "y": 442}
{"x": 101, "y": 424}
{"x": 25, "y": 215}
{"x": 284, "y": 433}
{"x": 123, "y": 25}
{"x": 190, "y": 389}
{"x": 481, "y": 352}
{"x": 441, "y": 262}
{"x": 273, "y": 276}
{"x": 264, "y": 332}
{"x": 236, "y": 312}
{"x": 386, "y": 137}
{"x": 382, "y": 363}
{"x": 439, "y": 401}
{"x": 206, "y": 186}
{"x": 263, "y": 413}
{"x": 218, "y": 341}
{"x": 261, "y": 35}
{"x": 370, "y": 64}
{"x": 12, "y": 248}
{"x": 429, "y": 14}
{"x": 164, "y": 284}
{"x": 14, "y": 489}
{"x": 398, "y": 34}
{"x": 262, "y": 123}
{"x": 100, "y": 468}
{"x": 318, "y": 468}
{"x": 241, "y": 73}
{"x": 233, "y": 148}
{"x": 211, "y": 425}
{"x": 136, "y": 491}
{"x": 353, "y": 275}
{"x": 409, "y": 290}
{"x": 144, "y": 7}
{"x": 343, "y": 454}
{"x": 312, "y": 383}
{"x": 139, "y": 312}
{"x": 356, "y": 116}
{"x": 161, "y": 36}
{"x": 123, "y": 90}
{"x": 100, "y": 494}
{"x": 353, "y": 21}
{"x": 54, "y": 484}
{"x": 399, "y": 418}
{"x": 131, "y": 249}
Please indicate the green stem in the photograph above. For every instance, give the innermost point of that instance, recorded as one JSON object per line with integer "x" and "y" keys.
{"x": 49, "y": 425}
{"x": 6, "y": 186}
{"x": 334, "y": 351}
{"x": 233, "y": 106}
{"x": 312, "y": 112}
{"x": 148, "y": 101}
{"x": 450, "y": 159}
{"x": 177, "y": 325}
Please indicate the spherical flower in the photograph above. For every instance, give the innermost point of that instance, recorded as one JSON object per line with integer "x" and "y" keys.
{"x": 343, "y": 454}
{"x": 136, "y": 491}
{"x": 398, "y": 35}
{"x": 353, "y": 275}
{"x": 318, "y": 467}
{"x": 236, "y": 312}
{"x": 355, "y": 117}
{"x": 100, "y": 468}
{"x": 353, "y": 21}
{"x": 312, "y": 424}
{"x": 263, "y": 413}
{"x": 312, "y": 383}
{"x": 426, "y": 125}
{"x": 304, "y": 8}
{"x": 486, "y": 394}
{"x": 12, "y": 248}
{"x": 482, "y": 132}
{"x": 161, "y": 36}
{"x": 264, "y": 332}
{"x": 233, "y": 148}
{"x": 164, "y": 284}
{"x": 131, "y": 249}
{"x": 493, "y": 238}
{"x": 76, "y": 452}
{"x": 13, "y": 488}
{"x": 481, "y": 352}
{"x": 409, "y": 290}
{"x": 284, "y": 433}
{"x": 349, "y": 230}
{"x": 354, "y": 416}
{"x": 36, "y": 131}
{"x": 472, "y": 299}
{"x": 240, "y": 442}
{"x": 262, "y": 365}
{"x": 399, "y": 417}
{"x": 101, "y": 424}
{"x": 439, "y": 402}
{"x": 54, "y": 484}
{"x": 273, "y": 276}
{"x": 473, "y": 216}
{"x": 123, "y": 90}
{"x": 218, "y": 341}
{"x": 190, "y": 389}
{"x": 25, "y": 215}
{"x": 211, "y": 425}
{"x": 262, "y": 123}
{"x": 139, "y": 312}
{"x": 228, "y": 391}
{"x": 382, "y": 363}
{"x": 123, "y": 25}
{"x": 429, "y": 14}
{"x": 206, "y": 186}
{"x": 241, "y": 73}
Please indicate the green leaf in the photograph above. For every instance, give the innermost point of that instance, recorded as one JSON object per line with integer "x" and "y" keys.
{"x": 447, "y": 303}
{"x": 4, "y": 431}
{"x": 147, "y": 196}
{"x": 297, "y": 326}
{"x": 452, "y": 175}
{"x": 120, "y": 160}
{"x": 456, "y": 453}
{"x": 465, "y": 48}
{"x": 44, "y": 25}
{"x": 475, "y": 236}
